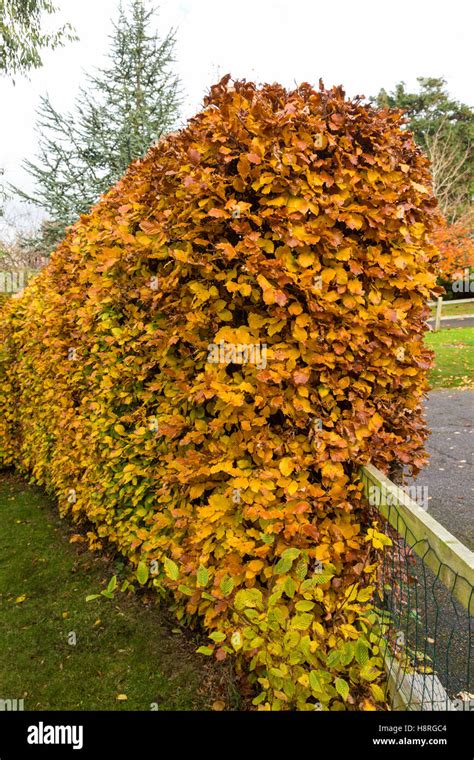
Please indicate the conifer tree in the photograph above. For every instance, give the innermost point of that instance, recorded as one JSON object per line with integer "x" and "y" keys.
{"x": 120, "y": 111}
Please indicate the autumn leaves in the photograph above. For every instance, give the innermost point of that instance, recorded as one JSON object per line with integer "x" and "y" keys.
{"x": 237, "y": 305}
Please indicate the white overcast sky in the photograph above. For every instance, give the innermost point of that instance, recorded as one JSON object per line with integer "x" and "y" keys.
{"x": 362, "y": 44}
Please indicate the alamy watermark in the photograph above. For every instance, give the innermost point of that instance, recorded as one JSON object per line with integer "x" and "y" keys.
{"x": 14, "y": 280}
{"x": 382, "y": 495}
{"x": 12, "y": 705}
{"x": 46, "y": 734}
{"x": 237, "y": 353}
{"x": 464, "y": 284}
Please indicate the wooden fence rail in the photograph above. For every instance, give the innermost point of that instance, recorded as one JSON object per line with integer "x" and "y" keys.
{"x": 439, "y": 303}
{"x": 450, "y": 560}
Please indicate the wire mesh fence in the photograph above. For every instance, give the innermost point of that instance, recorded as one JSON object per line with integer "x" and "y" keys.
{"x": 426, "y": 605}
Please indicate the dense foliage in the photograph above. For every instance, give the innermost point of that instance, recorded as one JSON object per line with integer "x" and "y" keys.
{"x": 211, "y": 354}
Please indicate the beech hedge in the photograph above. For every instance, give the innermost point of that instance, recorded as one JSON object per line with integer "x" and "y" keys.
{"x": 211, "y": 354}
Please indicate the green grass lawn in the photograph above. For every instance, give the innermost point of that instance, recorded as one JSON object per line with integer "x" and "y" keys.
{"x": 452, "y": 310}
{"x": 125, "y": 646}
{"x": 454, "y": 357}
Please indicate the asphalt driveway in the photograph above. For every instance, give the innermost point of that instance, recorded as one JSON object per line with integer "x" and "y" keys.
{"x": 450, "y": 473}
{"x": 443, "y": 628}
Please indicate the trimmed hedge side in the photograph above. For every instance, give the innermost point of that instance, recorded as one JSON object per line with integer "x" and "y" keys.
{"x": 211, "y": 354}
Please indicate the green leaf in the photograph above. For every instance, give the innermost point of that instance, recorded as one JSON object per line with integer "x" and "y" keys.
{"x": 342, "y": 688}
{"x": 251, "y": 614}
{"x": 205, "y": 650}
{"x": 291, "y": 639}
{"x": 142, "y": 573}
{"x": 290, "y": 587}
{"x": 291, "y": 554}
{"x": 361, "y": 652}
{"x": 277, "y": 672}
{"x": 112, "y": 584}
{"x": 315, "y": 680}
{"x": 202, "y": 576}
{"x": 323, "y": 577}
{"x": 333, "y": 658}
{"x": 277, "y": 594}
{"x": 304, "y": 606}
{"x": 227, "y": 585}
{"x": 171, "y": 569}
{"x": 369, "y": 673}
{"x": 301, "y": 569}
{"x": 217, "y": 636}
{"x": 283, "y": 565}
{"x": 91, "y": 597}
{"x": 316, "y": 580}
{"x": 249, "y": 597}
{"x": 302, "y": 622}
{"x": 185, "y": 590}
{"x": 347, "y": 653}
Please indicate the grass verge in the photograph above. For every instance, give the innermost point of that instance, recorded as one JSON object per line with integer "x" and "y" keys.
{"x": 125, "y": 646}
{"x": 454, "y": 357}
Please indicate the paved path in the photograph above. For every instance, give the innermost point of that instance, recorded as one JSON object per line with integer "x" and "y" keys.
{"x": 450, "y": 473}
{"x": 466, "y": 321}
{"x": 449, "y": 478}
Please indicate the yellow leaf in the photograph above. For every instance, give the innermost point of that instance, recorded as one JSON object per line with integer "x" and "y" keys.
{"x": 280, "y": 200}
{"x": 267, "y": 245}
{"x": 354, "y": 221}
{"x": 377, "y": 692}
{"x": 306, "y": 259}
{"x": 328, "y": 274}
{"x": 236, "y": 640}
{"x": 365, "y": 594}
{"x": 286, "y": 466}
{"x": 349, "y": 301}
{"x": 332, "y": 470}
{"x": 420, "y": 188}
{"x": 322, "y": 552}
{"x": 297, "y": 204}
{"x": 367, "y": 705}
{"x": 299, "y": 333}
{"x": 219, "y": 501}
